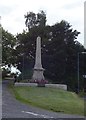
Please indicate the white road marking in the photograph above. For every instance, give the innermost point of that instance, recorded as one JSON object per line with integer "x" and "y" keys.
{"x": 30, "y": 113}
{"x": 35, "y": 114}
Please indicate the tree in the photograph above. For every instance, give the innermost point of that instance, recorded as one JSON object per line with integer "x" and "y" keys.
{"x": 59, "y": 51}
{"x": 33, "y": 20}
{"x": 30, "y": 20}
{"x": 61, "y": 55}
{"x": 41, "y": 18}
{"x": 8, "y": 50}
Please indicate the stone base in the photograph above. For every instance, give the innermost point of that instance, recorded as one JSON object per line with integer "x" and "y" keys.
{"x": 40, "y": 85}
{"x": 58, "y": 86}
{"x": 38, "y": 74}
{"x": 26, "y": 84}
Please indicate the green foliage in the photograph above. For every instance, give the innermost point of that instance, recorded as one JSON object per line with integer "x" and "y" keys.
{"x": 33, "y": 20}
{"x": 59, "y": 50}
{"x": 8, "y": 43}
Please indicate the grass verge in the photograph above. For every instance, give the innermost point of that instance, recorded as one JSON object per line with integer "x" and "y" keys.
{"x": 50, "y": 98}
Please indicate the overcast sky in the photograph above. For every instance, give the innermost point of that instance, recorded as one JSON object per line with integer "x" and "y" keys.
{"x": 12, "y": 13}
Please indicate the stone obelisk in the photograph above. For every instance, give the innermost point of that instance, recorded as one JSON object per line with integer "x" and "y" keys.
{"x": 38, "y": 70}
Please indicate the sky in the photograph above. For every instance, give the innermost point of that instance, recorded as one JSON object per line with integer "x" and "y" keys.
{"x": 12, "y": 13}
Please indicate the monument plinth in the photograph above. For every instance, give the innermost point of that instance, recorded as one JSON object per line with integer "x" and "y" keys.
{"x": 38, "y": 70}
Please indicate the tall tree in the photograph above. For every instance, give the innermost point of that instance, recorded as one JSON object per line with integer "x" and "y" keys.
{"x": 8, "y": 50}
{"x": 30, "y": 20}
{"x": 59, "y": 51}
{"x": 33, "y": 19}
{"x": 41, "y": 18}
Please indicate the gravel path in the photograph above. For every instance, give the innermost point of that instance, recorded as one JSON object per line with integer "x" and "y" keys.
{"x": 11, "y": 108}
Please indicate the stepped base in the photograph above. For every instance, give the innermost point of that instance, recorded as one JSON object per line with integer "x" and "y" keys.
{"x": 38, "y": 74}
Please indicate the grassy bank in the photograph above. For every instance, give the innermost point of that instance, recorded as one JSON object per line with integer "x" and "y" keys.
{"x": 50, "y": 98}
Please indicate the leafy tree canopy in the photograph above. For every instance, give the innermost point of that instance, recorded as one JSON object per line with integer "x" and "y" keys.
{"x": 8, "y": 47}
{"x": 59, "y": 49}
{"x": 33, "y": 19}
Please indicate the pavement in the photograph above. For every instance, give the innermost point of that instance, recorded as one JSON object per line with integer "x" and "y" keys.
{"x": 12, "y": 108}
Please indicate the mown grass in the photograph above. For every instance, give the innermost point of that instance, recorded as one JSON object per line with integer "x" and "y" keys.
{"x": 50, "y": 98}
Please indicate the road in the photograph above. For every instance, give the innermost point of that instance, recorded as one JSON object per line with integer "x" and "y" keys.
{"x": 0, "y": 100}
{"x": 11, "y": 108}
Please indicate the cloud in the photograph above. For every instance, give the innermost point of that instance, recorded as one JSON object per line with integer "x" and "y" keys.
{"x": 5, "y": 10}
{"x": 73, "y": 5}
{"x": 13, "y": 11}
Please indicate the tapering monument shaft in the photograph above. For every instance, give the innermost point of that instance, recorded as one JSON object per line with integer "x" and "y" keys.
{"x": 38, "y": 53}
{"x": 38, "y": 70}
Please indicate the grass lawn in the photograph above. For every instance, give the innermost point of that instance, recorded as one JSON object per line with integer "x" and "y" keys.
{"x": 50, "y": 98}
